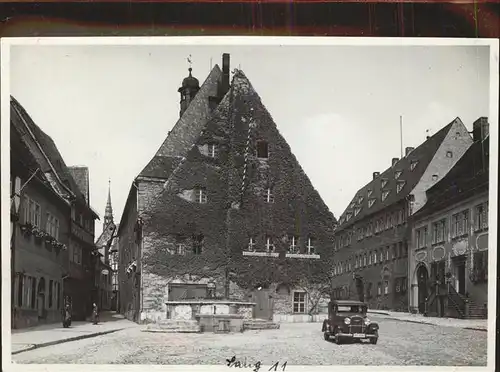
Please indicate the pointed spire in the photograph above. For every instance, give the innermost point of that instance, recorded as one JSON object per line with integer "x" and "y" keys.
{"x": 108, "y": 214}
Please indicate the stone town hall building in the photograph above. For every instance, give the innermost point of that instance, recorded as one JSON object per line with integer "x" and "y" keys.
{"x": 223, "y": 210}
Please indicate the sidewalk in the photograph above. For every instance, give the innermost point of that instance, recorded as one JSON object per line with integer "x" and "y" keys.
{"x": 52, "y": 334}
{"x": 473, "y": 324}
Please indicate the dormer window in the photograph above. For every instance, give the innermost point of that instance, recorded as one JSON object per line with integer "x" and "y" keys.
{"x": 400, "y": 186}
{"x": 262, "y": 150}
{"x": 212, "y": 150}
{"x": 370, "y": 192}
{"x": 384, "y": 195}
{"x": 348, "y": 217}
{"x": 397, "y": 174}
{"x": 371, "y": 202}
{"x": 269, "y": 244}
{"x": 435, "y": 177}
{"x": 384, "y": 183}
{"x": 269, "y": 197}
{"x": 449, "y": 154}
{"x": 356, "y": 211}
{"x": 200, "y": 194}
{"x": 352, "y": 205}
{"x": 251, "y": 244}
{"x": 360, "y": 200}
{"x": 413, "y": 165}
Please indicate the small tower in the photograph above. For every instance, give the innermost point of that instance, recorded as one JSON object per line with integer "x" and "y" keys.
{"x": 108, "y": 214}
{"x": 190, "y": 86}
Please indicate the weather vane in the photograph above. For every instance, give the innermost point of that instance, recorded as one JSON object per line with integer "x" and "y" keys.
{"x": 190, "y": 61}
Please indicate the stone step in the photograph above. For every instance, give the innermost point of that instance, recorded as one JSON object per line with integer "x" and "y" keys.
{"x": 174, "y": 326}
{"x": 259, "y": 324}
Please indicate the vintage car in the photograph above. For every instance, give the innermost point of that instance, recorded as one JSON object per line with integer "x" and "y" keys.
{"x": 347, "y": 321}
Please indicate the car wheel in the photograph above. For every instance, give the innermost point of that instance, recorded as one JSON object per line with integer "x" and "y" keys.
{"x": 327, "y": 336}
{"x": 374, "y": 340}
{"x": 338, "y": 341}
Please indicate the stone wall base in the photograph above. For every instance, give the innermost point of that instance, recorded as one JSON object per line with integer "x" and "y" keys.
{"x": 299, "y": 318}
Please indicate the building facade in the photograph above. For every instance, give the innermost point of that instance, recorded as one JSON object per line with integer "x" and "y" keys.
{"x": 448, "y": 263}
{"x": 223, "y": 210}
{"x": 43, "y": 229}
{"x": 373, "y": 235}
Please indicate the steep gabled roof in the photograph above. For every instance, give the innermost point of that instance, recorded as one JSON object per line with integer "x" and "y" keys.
{"x": 383, "y": 190}
{"x": 185, "y": 131}
{"x": 58, "y": 173}
{"x": 469, "y": 176}
{"x": 81, "y": 176}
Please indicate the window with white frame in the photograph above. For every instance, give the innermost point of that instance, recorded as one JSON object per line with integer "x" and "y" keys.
{"x": 386, "y": 287}
{"x": 421, "y": 236}
{"x": 460, "y": 223}
{"x": 269, "y": 197}
{"x": 438, "y": 231}
{"x": 397, "y": 174}
{"x": 400, "y": 216}
{"x": 360, "y": 199}
{"x": 356, "y": 262}
{"x": 384, "y": 182}
{"x": 293, "y": 246}
{"x": 369, "y": 193}
{"x": 387, "y": 254}
{"x": 32, "y": 212}
{"x": 379, "y": 288}
{"x": 181, "y": 247}
{"x": 364, "y": 260}
{"x": 269, "y": 244}
{"x": 371, "y": 202}
{"x": 200, "y": 195}
{"x": 299, "y": 302}
{"x": 356, "y": 211}
{"x": 370, "y": 258}
{"x": 375, "y": 258}
{"x": 481, "y": 217}
{"x": 251, "y": 244}
{"x": 212, "y": 150}
{"x": 381, "y": 256}
{"x": 52, "y": 226}
{"x": 311, "y": 245}
{"x": 413, "y": 165}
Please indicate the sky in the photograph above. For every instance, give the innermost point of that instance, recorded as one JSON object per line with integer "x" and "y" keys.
{"x": 339, "y": 107}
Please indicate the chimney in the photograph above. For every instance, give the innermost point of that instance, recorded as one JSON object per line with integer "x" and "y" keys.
{"x": 408, "y": 150}
{"x": 225, "y": 73}
{"x": 480, "y": 129}
{"x": 376, "y": 174}
{"x": 394, "y": 161}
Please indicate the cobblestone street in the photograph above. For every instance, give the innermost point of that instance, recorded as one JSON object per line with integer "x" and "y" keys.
{"x": 400, "y": 343}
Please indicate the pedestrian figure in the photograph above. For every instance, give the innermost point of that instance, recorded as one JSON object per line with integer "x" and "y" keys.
{"x": 95, "y": 313}
{"x": 66, "y": 316}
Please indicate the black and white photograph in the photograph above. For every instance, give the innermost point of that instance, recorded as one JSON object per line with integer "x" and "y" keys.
{"x": 259, "y": 204}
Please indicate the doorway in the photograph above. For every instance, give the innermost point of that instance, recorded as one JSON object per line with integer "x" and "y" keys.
{"x": 40, "y": 298}
{"x": 422, "y": 278}
{"x": 263, "y": 303}
{"x": 459, "y": 264}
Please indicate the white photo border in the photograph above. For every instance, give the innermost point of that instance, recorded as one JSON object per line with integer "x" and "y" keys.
{"x": 6, "y": 43}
